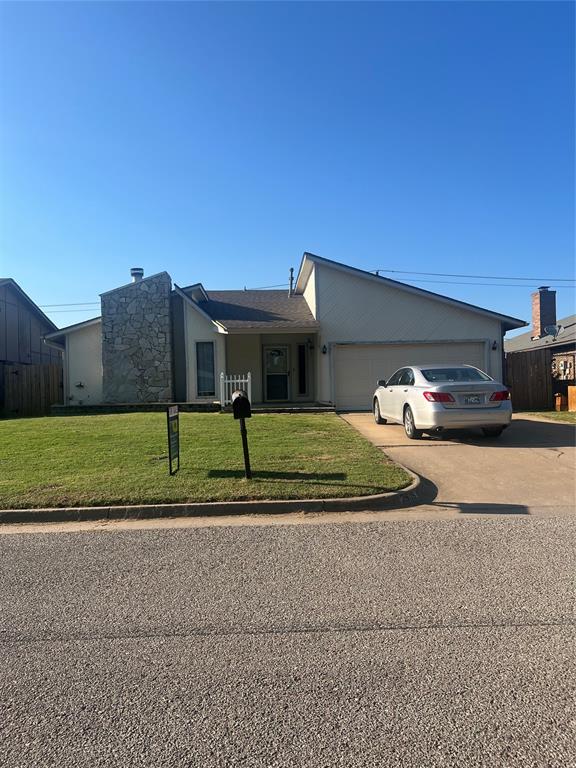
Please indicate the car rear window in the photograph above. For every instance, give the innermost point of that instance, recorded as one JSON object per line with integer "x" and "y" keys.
{"x": 454, "y": 374}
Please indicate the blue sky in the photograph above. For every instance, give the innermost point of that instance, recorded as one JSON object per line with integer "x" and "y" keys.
{"x": 218, "y": 141}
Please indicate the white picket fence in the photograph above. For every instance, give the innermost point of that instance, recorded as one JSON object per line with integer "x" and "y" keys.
{"x": 231, "y": 382}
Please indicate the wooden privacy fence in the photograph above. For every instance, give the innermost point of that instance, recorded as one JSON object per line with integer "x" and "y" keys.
{"x": 29, "y": 390}
{"x": 529, "y": 377}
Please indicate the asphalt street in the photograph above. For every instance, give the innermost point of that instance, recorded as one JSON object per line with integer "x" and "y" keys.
{"x": 385, "y": 643}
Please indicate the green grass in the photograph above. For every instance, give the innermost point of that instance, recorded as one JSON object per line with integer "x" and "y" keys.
{"x": 122, "y": 459}
{"x": 566, "y": 416}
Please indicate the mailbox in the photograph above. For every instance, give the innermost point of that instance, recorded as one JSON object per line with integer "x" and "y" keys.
{"x": 241, "y": 405}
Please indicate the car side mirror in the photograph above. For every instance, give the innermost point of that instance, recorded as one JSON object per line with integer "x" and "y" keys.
{"x": 381, "y": 382}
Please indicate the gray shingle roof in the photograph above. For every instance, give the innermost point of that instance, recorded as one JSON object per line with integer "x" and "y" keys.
{"x": 258, "y": 309}
{"x": 523, "y": 342}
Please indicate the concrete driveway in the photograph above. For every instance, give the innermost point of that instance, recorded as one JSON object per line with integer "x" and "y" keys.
{"x": 530, "y": 468}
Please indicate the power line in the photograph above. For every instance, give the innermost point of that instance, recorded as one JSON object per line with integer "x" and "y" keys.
{"x": 487, "y": 285}
{"x": 480, "y": 277}
{"x": 72, "y": 304}
{"x": 57, "y": 311}
{"x": 267, "y": 287}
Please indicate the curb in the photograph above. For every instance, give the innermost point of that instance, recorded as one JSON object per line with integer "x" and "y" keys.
{"x": 407, "y": 497}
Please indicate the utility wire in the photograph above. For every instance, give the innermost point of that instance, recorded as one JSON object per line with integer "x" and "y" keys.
{"x": 89, "y": 304}
{"x": 487, "y": 285}
{"x": 268, "y": 287}
{"x": 56, "y": 311}
{"x": 480, "y": 277}
{"x": 72, "y": 304}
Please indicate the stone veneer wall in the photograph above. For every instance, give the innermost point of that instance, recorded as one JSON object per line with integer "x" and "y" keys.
{"x": 137, "y": 342}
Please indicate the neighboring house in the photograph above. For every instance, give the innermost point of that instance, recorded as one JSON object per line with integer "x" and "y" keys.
{"x": 542, "y": 362}
{"x": 23, "y": 326}
{"x": 326, "y": 340}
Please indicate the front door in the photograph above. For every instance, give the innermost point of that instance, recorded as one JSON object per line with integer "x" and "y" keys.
{"x": 276, "y": 373}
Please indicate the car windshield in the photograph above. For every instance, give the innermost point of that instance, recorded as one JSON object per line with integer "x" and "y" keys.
{"x": 454, "y": 374}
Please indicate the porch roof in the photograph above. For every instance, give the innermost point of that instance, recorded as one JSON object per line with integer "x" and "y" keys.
{"x": 259, "y": 310}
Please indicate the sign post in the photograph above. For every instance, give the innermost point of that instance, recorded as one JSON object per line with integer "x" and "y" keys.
{"x": 173, "y": 438}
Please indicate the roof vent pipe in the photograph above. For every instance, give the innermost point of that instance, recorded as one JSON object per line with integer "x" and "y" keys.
{"x": 136, "y": 273}
{"x": 291, "y": 289}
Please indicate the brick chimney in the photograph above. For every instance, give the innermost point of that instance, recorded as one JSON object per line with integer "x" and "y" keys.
{"x": 543, "y": 310}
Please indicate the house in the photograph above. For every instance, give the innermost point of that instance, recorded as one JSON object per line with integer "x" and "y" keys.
{"x": 542, "y": 362}
{"x": 326, "y": 340}
{"x": 23, "y": 355}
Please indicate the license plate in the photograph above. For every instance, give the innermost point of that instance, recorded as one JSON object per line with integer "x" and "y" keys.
{"x": 472, "y": 400}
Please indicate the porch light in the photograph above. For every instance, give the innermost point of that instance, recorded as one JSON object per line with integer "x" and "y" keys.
{"x": 324, "y": 349}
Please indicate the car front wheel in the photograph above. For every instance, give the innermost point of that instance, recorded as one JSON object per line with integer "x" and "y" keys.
{"x": 376, "y": 410}
{"x": 409, "y": 427}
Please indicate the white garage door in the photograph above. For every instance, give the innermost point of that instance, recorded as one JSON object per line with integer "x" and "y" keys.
{"x": 357, "y": 367}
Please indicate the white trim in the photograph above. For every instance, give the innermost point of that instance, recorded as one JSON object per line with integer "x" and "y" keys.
{"x": 52, "y": 344}
{"x": 306, "y": 277}
{"x": 381, "y": 280}
{"x": 196, "y": 287}
{"x": 71, "y": 328}
{"x": 273, "y": 330}
{"x": 205, "y": 315}
{"x": 410, "y": 341}
{"x": 209, "y": 398}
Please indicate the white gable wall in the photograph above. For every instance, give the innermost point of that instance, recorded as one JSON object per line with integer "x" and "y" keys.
{"x": 199, "y": 328}
{"x": 351, "y": 308}
{"x": 83, "y": 365}
{"x": 310, "y": 292}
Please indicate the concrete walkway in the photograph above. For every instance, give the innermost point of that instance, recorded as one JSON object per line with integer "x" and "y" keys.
{"x": 531, "y": 466}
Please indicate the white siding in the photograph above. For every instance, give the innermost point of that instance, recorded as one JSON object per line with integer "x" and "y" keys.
{"x": 357, "y": 309}
{"x": 310, "y": 291}
{"x": 83, "y": 365}
{"x": 199, "y": 328}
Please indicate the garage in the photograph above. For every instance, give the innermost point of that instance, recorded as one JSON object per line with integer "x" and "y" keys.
{"x": 357, "y": 367}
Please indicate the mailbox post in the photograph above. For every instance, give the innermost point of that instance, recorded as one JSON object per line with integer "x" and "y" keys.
{"x": 242, "y": 410}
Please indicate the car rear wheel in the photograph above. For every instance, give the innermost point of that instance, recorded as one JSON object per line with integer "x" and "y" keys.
{"x": 376, "y": 410}
{"x": 492, "y": 431}
{"x": 409, "y": 427}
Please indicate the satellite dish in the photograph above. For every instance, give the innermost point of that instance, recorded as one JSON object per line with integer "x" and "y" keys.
{"x": 552, "y": 330}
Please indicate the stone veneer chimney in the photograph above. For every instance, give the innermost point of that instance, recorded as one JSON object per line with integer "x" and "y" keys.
{"x": 543, "y": 310}
{"x": 137, "y": 341}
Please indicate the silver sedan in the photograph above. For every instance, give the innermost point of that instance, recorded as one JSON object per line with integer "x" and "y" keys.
{"x": 432, "y": 398}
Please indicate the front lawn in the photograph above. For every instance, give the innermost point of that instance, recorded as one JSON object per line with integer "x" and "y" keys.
{"x": 566, "y": 416}
{"x": 120, "y": 459}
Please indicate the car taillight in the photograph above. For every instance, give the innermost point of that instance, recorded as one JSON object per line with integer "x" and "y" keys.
{"x": 439, "y": 397}
{"x": 502, "y": 395}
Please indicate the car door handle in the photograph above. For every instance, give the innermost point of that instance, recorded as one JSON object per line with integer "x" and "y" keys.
{"x": 405, "y": 390}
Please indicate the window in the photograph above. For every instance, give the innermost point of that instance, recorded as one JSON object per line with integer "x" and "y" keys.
{"x": 395, "y": 378}
{"x": 407, "y": 378}
{"x": 454, "y": 374}
{"x": 205, "y": 369}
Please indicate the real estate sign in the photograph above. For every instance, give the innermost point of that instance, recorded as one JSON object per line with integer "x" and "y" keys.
{"x": 173, "y": 439}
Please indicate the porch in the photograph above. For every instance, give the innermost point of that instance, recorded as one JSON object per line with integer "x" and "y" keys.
{"x": 282, "y": 367}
